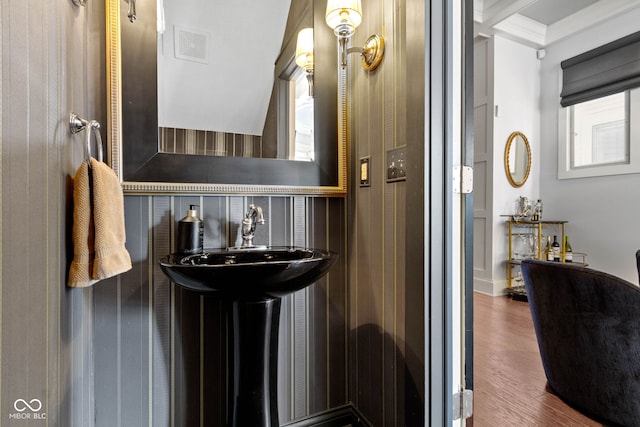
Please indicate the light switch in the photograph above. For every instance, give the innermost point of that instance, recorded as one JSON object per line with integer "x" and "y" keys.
{"x": 364, "y": 172}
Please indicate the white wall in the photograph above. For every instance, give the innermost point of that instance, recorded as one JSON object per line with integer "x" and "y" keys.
{"x": 602, "y": 211}
{"x": 516, "y": 98}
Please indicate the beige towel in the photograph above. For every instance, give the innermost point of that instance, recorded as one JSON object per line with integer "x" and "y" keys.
{"x": 98, "y": 226}
{"x": 81, "y": 270}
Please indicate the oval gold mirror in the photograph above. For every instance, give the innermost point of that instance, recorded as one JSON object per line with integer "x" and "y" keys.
{"x": 517, "y": 159}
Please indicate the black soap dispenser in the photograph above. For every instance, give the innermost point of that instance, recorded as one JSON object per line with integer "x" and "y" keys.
{"x": 190, "y": 232}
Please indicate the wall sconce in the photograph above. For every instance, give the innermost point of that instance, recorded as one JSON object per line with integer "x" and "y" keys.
{"x": 344, "y": 16}
{"x": 304, "y": 54}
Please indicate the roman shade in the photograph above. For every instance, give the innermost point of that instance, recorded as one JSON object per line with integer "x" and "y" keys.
{"x": 608, "y": 69}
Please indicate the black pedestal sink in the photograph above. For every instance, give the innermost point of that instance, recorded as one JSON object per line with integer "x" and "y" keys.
{"x": 252, "y": 281}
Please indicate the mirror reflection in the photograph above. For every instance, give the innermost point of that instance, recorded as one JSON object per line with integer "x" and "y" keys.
{"x": 517, "y": 159}
{"x": 218, "y": 81}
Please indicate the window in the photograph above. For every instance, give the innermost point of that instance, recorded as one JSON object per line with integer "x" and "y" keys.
{"x": 599, "y": 131}
{"x": 599, "y": 137}
{"x": 303, "y": 148}
{"x": 296, "y": 138}
{"x": 598, "y": 126}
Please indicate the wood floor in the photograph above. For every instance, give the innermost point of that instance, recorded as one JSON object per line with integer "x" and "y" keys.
{"x": 510, "y": 388}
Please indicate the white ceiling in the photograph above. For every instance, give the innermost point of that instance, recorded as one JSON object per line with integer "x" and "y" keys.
{"x": 548, "y": 12}
{"x": 539, "y": 23}
{"x": 230, "y": 89}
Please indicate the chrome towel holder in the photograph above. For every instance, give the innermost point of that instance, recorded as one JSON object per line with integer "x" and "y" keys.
{"x": 78, "y": 124}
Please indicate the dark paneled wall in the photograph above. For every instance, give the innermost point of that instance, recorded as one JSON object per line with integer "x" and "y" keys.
{"x": 379, "y": 325}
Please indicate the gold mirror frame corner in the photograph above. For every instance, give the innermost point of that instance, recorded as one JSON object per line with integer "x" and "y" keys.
{"x": 507, "y": 166}
{"x": 114, "y": 77}
{"x": 114, "y": 135}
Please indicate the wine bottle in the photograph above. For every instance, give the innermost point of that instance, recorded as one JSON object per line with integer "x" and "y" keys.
{"x": 555, "y": 249}
{"x": 568, "y": 251}
{"x": 548, "y": 252}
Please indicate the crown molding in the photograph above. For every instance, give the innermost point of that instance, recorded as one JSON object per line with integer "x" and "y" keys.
{"x": 524, "y": 30}
{"x": 502, "y": 17}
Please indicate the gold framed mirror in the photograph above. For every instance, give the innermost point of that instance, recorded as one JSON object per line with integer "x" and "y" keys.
{"x": 132, "y": 133}
{"x": 517, "y": 159}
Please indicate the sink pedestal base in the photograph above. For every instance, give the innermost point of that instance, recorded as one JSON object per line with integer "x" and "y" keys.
{"x": 253, "y": 386}
{"x": 251, "y": 282}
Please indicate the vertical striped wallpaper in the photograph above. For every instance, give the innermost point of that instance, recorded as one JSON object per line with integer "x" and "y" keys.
{"x": 377, "y": 218}
{"x": 133, "y": 350}
{"x": 210, "y": 143}
{"x": 49, "y": 68}
{"x": 138, "y": 351}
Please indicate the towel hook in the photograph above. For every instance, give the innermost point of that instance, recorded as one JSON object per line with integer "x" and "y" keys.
{"x": 78, "y": 124}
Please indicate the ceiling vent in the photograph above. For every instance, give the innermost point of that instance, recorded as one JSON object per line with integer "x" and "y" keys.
{"x": 191, "y": 45}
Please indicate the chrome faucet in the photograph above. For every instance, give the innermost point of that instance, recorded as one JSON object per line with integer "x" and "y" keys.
{"x": 251, "y": 219}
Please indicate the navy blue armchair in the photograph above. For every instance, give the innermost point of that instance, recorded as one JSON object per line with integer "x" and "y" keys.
{"x": 587, "y": 324}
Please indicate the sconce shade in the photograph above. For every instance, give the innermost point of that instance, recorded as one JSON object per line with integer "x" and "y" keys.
{"x": 343, "y": 16}
{"x": 304, "y": 49}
